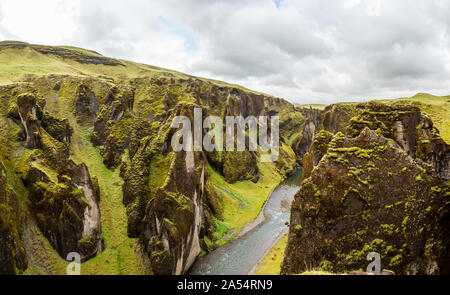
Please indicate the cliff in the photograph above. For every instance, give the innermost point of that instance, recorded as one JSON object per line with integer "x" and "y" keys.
{"x": 373, "y": 189}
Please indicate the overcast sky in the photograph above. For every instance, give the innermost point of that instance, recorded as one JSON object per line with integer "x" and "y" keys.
{"x": 311, "y": 51}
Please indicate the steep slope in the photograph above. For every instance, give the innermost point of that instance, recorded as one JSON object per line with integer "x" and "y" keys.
{"x": 62, "y": 198}
{"x": 374, "y": 189}
{"x": 89, "y": 167}
{"x": 94, "y": 134}
{"x": 12, "y": 255}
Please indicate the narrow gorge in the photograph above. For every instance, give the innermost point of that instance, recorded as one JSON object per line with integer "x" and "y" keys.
{"x": 87, "y": 166}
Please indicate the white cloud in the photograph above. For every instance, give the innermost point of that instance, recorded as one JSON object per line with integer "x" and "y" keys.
{"x": 305, "y": 51}
{"x": 43, "y": 22}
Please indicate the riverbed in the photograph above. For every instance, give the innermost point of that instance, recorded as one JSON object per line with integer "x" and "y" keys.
{"x": 239, "y": 256}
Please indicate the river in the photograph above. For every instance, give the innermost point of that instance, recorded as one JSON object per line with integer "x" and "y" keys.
{"x": 239, "y": 256}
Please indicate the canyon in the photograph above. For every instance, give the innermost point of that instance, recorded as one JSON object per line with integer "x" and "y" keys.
{"x": 87, "y": 166}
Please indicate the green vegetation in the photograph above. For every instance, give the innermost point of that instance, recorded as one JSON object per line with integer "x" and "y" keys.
{"x": 132, "y": 105}
{"x": 270, "y": 264}
{"x": 438, "y": 107}
{"x": 121, "y": 254}
{"x": 31, "y": 61}
{"x": 252, "y": 195}
{"x": 314, "y": 106}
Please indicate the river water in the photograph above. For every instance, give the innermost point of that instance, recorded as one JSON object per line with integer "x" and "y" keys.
{"x": 239, "y": 256}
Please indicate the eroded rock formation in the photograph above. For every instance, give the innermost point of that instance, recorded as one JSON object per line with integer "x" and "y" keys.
{"x": 61, "y": 194}
{"x": 373, "y": 190}
{"x": 13, "y": 259}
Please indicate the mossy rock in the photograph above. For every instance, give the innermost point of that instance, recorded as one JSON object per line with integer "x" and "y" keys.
{"x": 362, "y": 203}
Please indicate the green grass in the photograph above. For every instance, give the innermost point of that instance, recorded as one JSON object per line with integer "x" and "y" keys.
{"x": 16, "y": 64}
{"x": 252, "y": 195}
{"x": 270, "y": 264}
{"x": 314, "y": 106}
{"x": 122, "y": 254}
{"x": 317, "y": 273}
{"x": 438, "y": 107}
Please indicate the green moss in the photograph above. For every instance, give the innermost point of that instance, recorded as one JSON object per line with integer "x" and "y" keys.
{"x": 405, "y": 221}
{"x": 159, "y": 169}
{"x": 396, "y": 260}
{"x": 436, "y": 189}
{"x": 235, "y": 216}
{"x": 271, "y": 263}
{"x": 122, "y": 254}
{"x": 388, "y": 228}
{"x": 326, "y": 266}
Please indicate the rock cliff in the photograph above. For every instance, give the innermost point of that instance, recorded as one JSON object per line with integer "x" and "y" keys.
{"x": 373, "y": 190}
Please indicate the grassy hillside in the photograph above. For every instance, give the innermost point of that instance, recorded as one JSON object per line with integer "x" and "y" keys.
{"x": 20, "y": 60}
{"x": 438, "y": 107}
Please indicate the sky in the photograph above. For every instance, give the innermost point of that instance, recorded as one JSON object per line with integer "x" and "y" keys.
{"x": 306, "y": 51}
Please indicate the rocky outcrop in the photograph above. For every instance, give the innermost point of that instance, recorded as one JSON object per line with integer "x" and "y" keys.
{"x": 356, "y": 200}
{"x": 85, "y": 104}
{"x": 412, "y": 129}
{"x": 317, "y": 150}
{"x": 26, "y": 105}
{"x": 81, "y": 56}
{"x": 235, "y": 166}
{"x": 240, "y": 166}
{"x": 174, "y": 217}
{"x": 12, "y": 255}
{"x": 59, "y": 129}
{"x": 164, "y": 195}
{"x": 113, "y": 125}
{"x": 311, "y": 127}
{"x": 244, "y": 104}
{"x": 431, "y": 148}
{"x": 61, "y": 196}
{"x": 336, "y": 117}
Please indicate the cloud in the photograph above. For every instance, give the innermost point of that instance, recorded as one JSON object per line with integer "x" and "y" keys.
{"x": 307, "y": 51}
{"x": 4, "y": 33}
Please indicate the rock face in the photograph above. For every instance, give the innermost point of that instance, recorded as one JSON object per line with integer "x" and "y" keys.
{"x": 372, "y": 191}
{"x": 83, "y": 57}
{"x": 59, "y": 129}
{"x": 12, "y": 255}
{"x": 431, "y": 148}
{"x": 86, "y": 105}
{"x": 62, "y": 198}
{"x": 412, "y": 129}
{"x": 26, "y": 104}
{"x": 174, "y": 218}
{"x": 336, "y": 117}
{"x": 168, "y": 215}
{"x": 317, "y": 150}
{"x": 311, "y": 127}
{"x": 113, "y": 125}
{"x": 170, "y": 203}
